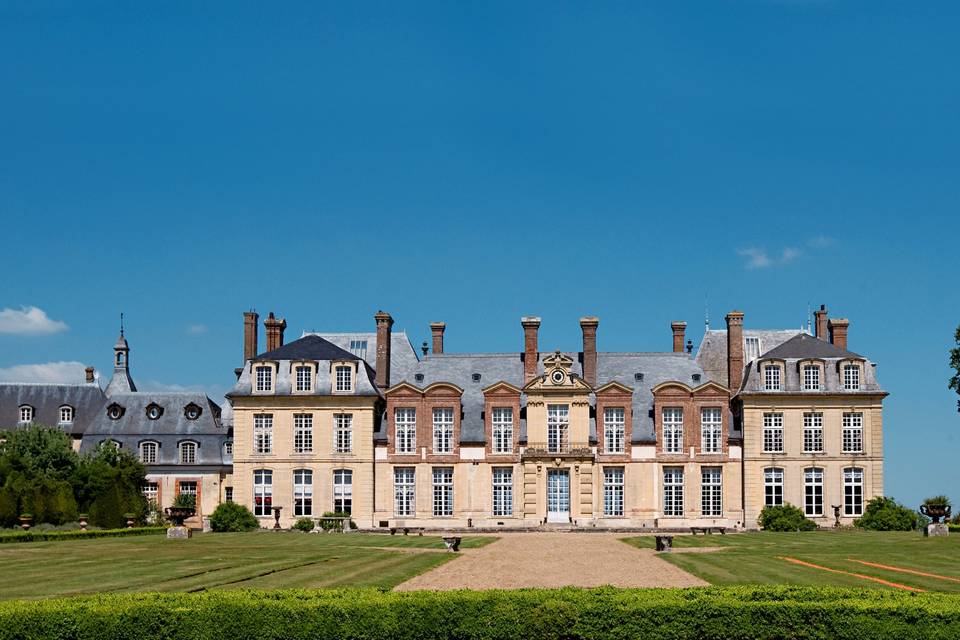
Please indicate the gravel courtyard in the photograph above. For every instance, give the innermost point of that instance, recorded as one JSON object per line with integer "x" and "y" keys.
{"x": 519, "y": 560}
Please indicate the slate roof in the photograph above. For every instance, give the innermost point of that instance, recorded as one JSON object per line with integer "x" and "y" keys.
{"x": 309, "y": 347}
{"x": 87, "y": 401}
{"x": 712, "y": 354}
{"x": 806, "y": 346}
{"x": 402, "y": 354}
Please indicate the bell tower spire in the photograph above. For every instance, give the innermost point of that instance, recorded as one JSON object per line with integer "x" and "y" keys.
{"x": 121, "y": 382}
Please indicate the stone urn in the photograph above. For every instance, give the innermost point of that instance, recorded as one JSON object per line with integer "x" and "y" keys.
{"x": 935, "y": 511}
{"x": 178, "y": 514}
{"x": 131, "y": 519}
{"x": 276, "y": 517}
{"x": 26, "y": 519}
{"x": 83, "y": 519}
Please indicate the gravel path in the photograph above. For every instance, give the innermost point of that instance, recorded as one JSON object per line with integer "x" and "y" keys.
{"x": 519, "y": 560}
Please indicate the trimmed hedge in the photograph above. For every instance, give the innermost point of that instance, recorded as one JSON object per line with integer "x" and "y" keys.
{"x": 599, "y": 614}
{"x": 46, "y": 536}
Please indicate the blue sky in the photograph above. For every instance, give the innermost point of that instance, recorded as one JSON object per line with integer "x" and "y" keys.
{"x": 475, "y": 163}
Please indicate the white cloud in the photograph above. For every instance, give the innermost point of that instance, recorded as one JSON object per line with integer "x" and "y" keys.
{"x": 69, "y": 372}
{"x": 29, "y": 321}
{"x": 758, "y": 258}
{"x": 196, "y": 329}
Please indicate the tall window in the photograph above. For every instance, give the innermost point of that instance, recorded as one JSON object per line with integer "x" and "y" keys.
{"x": 359, "y": 348}
{"x": 853, "y": 491}
{"x": 502, "y": 491}
{"x": 343, "y": 432}
{"x": 851, "y": 377}
{"x": 711, "y": 492}
{"x": 262, "y": 492}
{"x": 558, "y": 423}
{"x": 711, "y": 429}
{"x": 613, "y": 491}
{"x": 304, "y": 378}
{"x": 343, "y": 490}
{"x": 228, "y": 494}
{"x": 228, "y": 449}
{"x": 26, "y": 413}
{"x": 614, "y": 430}
{"x": 263, "y": 433}
{"x": 813, "y": 433}
{"x": 188, "y": 453}
{"x": 443, "y": 491}
{"x": 773, "y": 433}
{"x": 405, "y": 420}
{"x": 502, "y": 429}
{"x": 264, "y": 378}
{"x": 302, "y": 432}
{"x": 673, "y": 430}
{"x": 751, "y": 348}
{"x": 772, "y": 487}
{"x": 811, "y": 377}
{"x": 148, "y": 452}
{"x": 404, "y": 491}
{"x": 443, "y": 430}
{"x": 302, "y": 492}
{"x": 344, "y": 375}
{"x": 66, "y": 414}
{"x": 853, "y": 433}
{"x": 188, "y": 488}
{"x": 151, "y": 491}
{"x": 771, "y": 377}
{"x": 813, "y": 491}
{"x": 673, "y": 491}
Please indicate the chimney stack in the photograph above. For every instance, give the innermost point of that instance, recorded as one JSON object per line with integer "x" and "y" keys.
{"x": 589, "y": 326}
{"x": 820, "y": 323}
{"x": 384, "y": 332}
{"x": 679, "y": 328}
{"x": 838, "y": 332}
{"x": 437, "y": 329}
{"x": 250, "y": 340}
{"x": 734, "y": 350}
{"x": 275, "y": 328}
{"x": 530, "y": 352}
{"x": 90, "y": 377}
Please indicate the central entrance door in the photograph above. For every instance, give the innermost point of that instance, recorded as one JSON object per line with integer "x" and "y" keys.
{"x": 558, "y": 495}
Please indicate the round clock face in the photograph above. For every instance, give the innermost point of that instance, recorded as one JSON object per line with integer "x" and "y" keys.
{"x": 558, "y": 376}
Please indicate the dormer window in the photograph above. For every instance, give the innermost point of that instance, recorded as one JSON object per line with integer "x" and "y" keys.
{"x": 264, "y": 377}
{"x": 811, "y": 377}
{"x": 154, "y": 411}
{"x": 188, "y": 452}
{"x": 304, "y": 377}
{"x": 418, "y": 377}
{"x": 66, "y": 414}
{"x": 192, "y": 411}
{"x": 851, "y": 377}
{"x": 26, "y": 414}
{"x": 115, "y": 411}
{"x": 475, "y": 377}
{"x": 772, "y": 377}
{"x": 148, "y": 452}
{"x": 751, "y": 348}
{"x": 228, "y": 449}
{"x": 344, "y": 378}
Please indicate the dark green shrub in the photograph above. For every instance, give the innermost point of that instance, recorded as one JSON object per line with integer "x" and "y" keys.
{"x": 304, "y": 524}
{"x": 185, "y": 501}
{"x": 886, "y": 514}
{"x": 46, "y": 536}
{"x": 230, "y": 516}
{"x": 785, "y": 518}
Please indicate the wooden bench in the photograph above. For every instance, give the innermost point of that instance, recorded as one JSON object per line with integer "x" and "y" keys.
{"x": 452, "y": 543}
{"x": 708, "y": 530}
{"x": 664, "y": 543}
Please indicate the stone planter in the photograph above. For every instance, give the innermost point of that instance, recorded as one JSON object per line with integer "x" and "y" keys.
{"x": 83, "y": 519}
{"x": 178, "y": 514}
{"x": 26, "y": 520}
{"x": 131, "y": 519}
{"x": 935, "y": 511}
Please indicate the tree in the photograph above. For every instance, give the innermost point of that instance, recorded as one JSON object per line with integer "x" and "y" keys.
{"x": 108, "y": 483}
{"x": 230, "y": 516}
{"x": 786, "y": 517}
{"x": 886, "y": 514}
{"x": 955, "y": 365}
{"x": 36, "y": 464}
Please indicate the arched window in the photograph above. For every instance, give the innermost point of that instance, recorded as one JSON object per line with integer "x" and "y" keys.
{"x": 66, "y": 414}
{"x": 148, "y": 452}
{"x": 188, "y": 452}
{"x": 772, "y": 487}
{"x": 26, "y": 413}
{"x": 853, "y": 491}
{"x": 262, "y": 492}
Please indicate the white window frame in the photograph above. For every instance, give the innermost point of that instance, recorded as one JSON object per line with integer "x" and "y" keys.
{"x": 853, "y": 491}
{"x": 711, "y": 492}
{"x": 613, "y": 492}
{"x": 187, "y": 452}
{"x": 303, "y": 433}
{"x": 852, "y": 436}
{"x": 343, "y": 490}
{"x": 673, "y": 492}
{"x": 813, "y": 432}
{"x": 404, "y": 491}
{"x": 66, "y": 414}
{"x": 359, "y": 348}
{"x": 302, "y": 492}
{"x": 303, "y": 376}
{"x": 443, "y": 430}
{"x": 442, "y": 492}
{"x": 558, "y": 427}
{"x": 672, "y": 423}
{"x": 149, "y": 459}
{"x": 228, "y": 449}
{"x": 751, "y": 348}
{"x": 263, "y": 378}
{"x": 772, "y": 377}
{"x": 263, "y": 433}
{"x": 405, "y": 429}
{"x": 811, "y": 377}
{"x": 614, "y": 430}
{"x": 502, "y": 492}
{"x": 773, "y": 487}
{"x": 813, "y": 491}
{"x": 711, "y": 430}
{"x": 343, "y": 378}
{"x": 262, "y": 489}
{"x": 773, "y": 433}
{"x": 343, "y": 433}
{"x": 151, "y": 490}
{"x": 851, "y": 376}
{"x": 27, "y": 414}
{"x": 502, "y": 426}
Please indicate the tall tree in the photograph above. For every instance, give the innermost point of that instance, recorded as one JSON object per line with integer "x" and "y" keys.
{"x": 955, "y": 365}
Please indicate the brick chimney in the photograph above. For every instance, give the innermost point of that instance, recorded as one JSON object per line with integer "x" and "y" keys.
{"x": 820, "y": 323}
{"x": 589, "y": 326}
{"x": 250, "y": 339}
{"x": 437, "y": 329}
{"x": 838, "y": 332}
{"x": 384, "y": 332}
{"x": 275, "y": 328}
{"x": 89, "y": 373}
{"x": 530, "y": 352}
{"x": 679, "y": 328}
{"x": 734, "y": 350}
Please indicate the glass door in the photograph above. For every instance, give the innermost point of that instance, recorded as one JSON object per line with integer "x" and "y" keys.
{"x": 558, "y": 495}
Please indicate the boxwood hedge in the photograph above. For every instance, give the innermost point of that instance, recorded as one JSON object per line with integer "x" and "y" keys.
{"x": 599, "y": 614}
{"x": 45, "y": 536}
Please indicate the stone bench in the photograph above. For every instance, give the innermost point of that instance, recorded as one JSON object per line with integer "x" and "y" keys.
{"x": 406, "y": 530}
{"x": 452, "y": 543}
{"x": 664, "y": 543}
{"x": 708, "y": 530}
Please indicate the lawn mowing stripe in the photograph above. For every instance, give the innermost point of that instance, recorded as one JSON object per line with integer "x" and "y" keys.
{"x": 850, "y": 573}
{"x": 903, "y": 570}
{"x": 257, "y": 575}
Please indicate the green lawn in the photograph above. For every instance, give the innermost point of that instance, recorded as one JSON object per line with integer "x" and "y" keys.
{"x": 754, "y": 558}
{"x": 263, "y": 560}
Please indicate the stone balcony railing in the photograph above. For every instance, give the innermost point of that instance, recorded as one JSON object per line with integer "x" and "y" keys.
{"x": 557, "y": 450}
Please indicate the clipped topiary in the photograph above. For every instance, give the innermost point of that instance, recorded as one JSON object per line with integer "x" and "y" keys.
{"x": 785, "y": 518}
{"x": 230, "y": 516}
{"x": 886, "y": 514}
